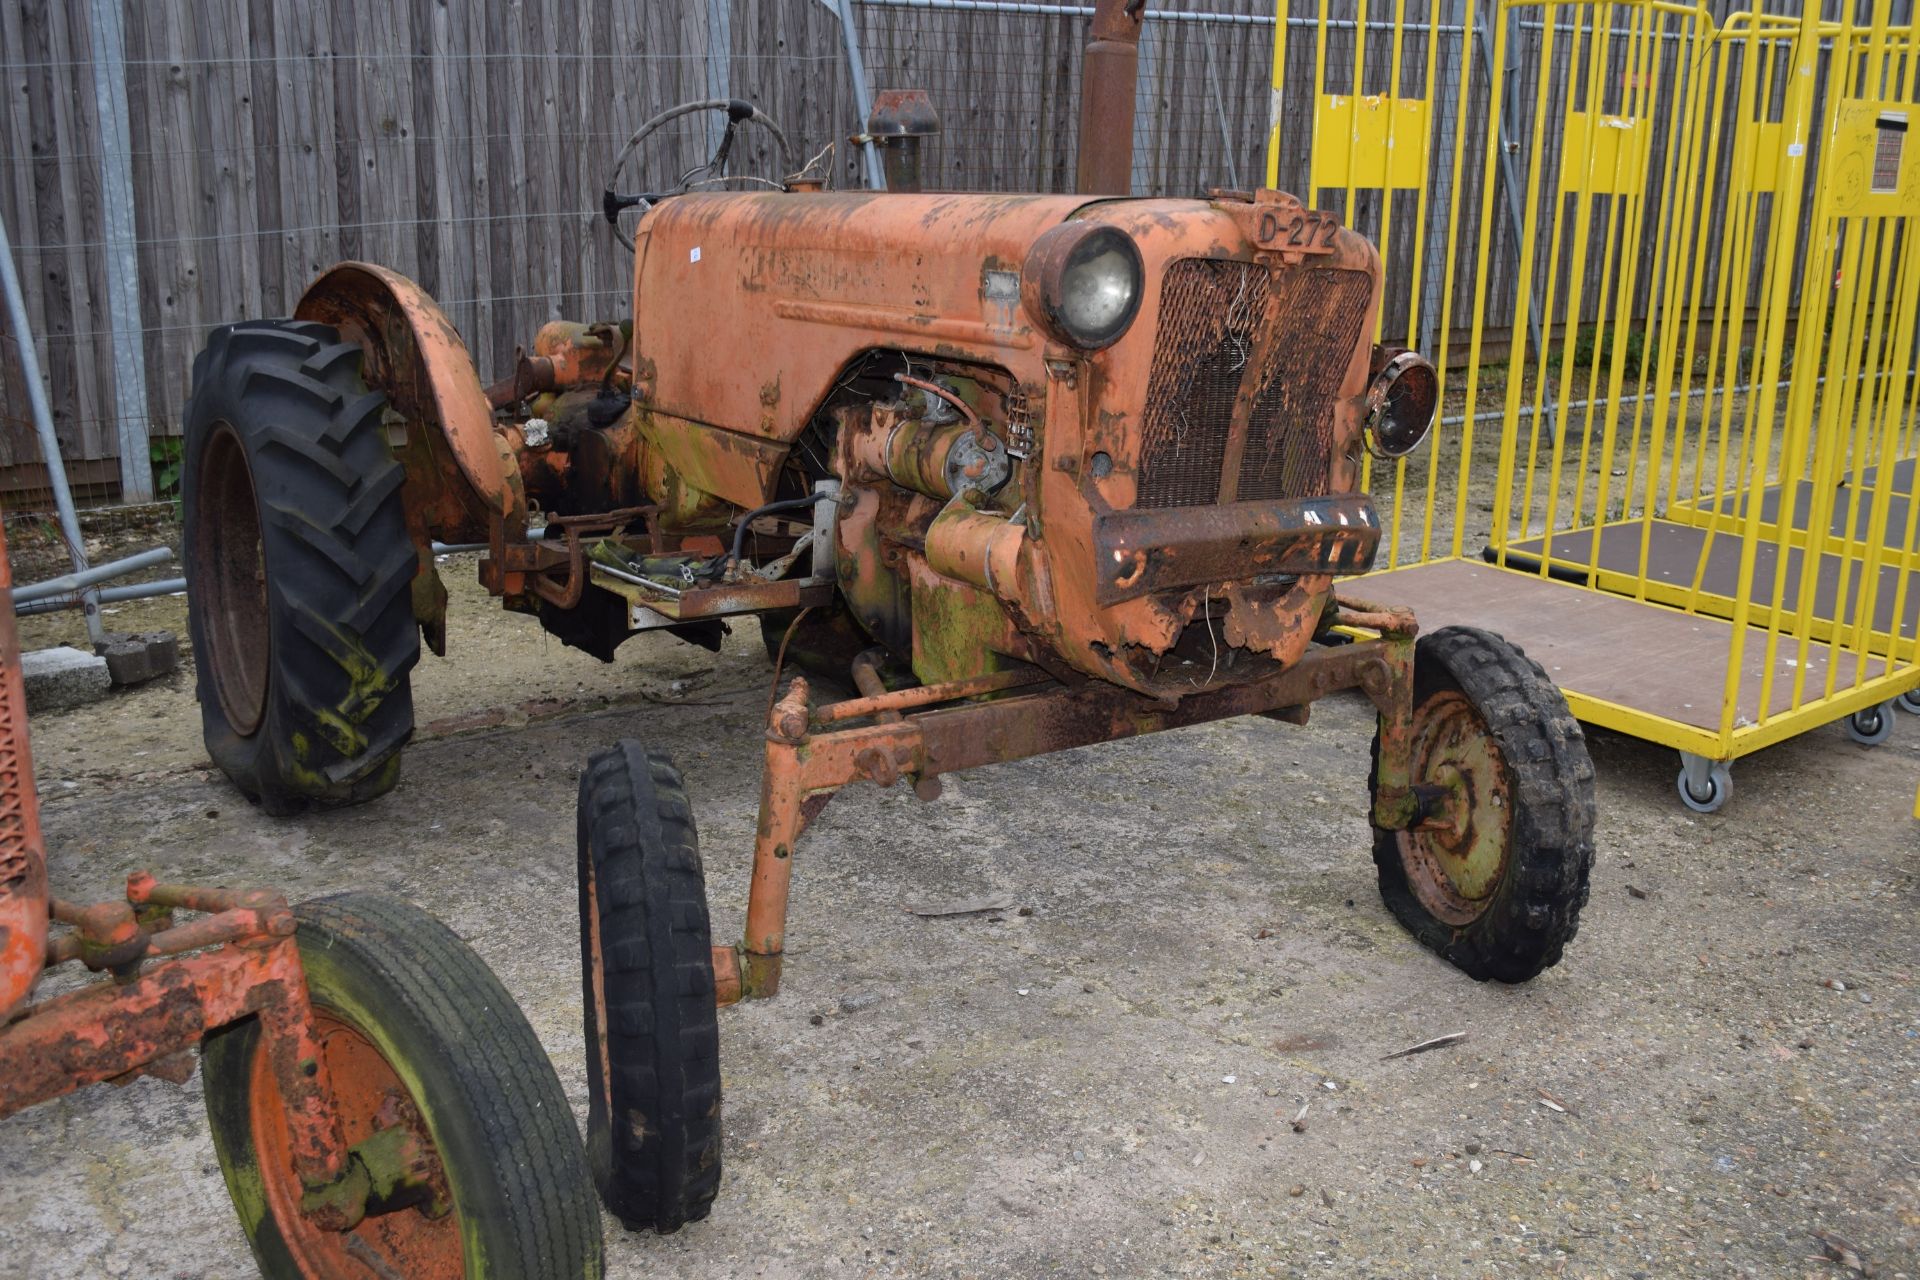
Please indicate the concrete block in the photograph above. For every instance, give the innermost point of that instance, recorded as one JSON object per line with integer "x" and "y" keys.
{"x": 62, "y": 678}
{"x": 135, "y": 659}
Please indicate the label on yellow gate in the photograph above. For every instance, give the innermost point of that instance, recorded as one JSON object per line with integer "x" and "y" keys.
{"x": 1385, "y": 139}
{"x": 1604, "y": 155}
{"x": 1870, "y": 170}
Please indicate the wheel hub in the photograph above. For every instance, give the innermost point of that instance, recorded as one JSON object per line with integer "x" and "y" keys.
{"x": 1457, "y": 857}
{"x": 410, "y": 1227}
{"x": 231, "y": 588}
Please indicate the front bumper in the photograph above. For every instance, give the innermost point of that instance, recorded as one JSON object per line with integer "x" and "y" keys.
{"x": 1140, "y": 553}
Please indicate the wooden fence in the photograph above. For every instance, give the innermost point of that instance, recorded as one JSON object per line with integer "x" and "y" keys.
{"x": 466, "y": 144}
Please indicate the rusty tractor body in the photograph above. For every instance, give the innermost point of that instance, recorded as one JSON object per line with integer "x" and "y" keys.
{"x": 1027, "y": 471}
{"x": 338, "y": 1165}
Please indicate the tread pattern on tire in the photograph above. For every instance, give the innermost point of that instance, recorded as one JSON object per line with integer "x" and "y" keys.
{"x": 499, "y": 1116}
{"x": 1536, "y": 910}
{"x": 654, "y": 1123}
{"x": 340, "y": 559}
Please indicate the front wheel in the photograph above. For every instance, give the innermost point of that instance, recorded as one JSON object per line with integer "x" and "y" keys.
{"x": 652, "y": 1030}
{"x": 299, "y": 568}
{"x": 1497, "y": 887}
{"x": 418, "y": 1035}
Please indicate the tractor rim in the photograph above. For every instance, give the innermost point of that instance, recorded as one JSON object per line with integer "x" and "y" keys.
{"x": 1456, "y": 864}
{"x": 369, "y": 1095}
{"x": 232, "y": 582}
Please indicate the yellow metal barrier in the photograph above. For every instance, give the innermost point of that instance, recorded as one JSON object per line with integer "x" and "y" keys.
{"x": 1664, "y": 265}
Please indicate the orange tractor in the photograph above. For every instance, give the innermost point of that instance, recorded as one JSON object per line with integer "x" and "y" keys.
{"x": 361, "y": 1129}
{"x": 1026, "y": 472}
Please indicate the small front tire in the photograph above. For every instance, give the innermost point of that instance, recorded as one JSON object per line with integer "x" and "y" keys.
{"x": 1499, "y": 893}
{"x": 652, "y": 1030}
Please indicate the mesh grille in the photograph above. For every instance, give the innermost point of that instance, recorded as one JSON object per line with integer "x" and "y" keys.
{"x": 1209, "y": 313}
{"x": 16, "y": 849}
{"x": 1291, "y": 431}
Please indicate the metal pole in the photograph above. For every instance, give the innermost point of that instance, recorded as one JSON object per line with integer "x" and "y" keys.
{"x": 862, "y": 95}
{"x": 43, "y": 426}
{"x": 719, "y": 65}
{"x": 1220, "y": 110}
{"x": 122, "y": 257}
{"x": 108, "y": 595}
{"x": 1510, "y": 179}
{"x": 73, "y": 582}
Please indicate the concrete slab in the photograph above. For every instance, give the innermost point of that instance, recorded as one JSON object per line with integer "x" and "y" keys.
{"x": 63, "y": 678}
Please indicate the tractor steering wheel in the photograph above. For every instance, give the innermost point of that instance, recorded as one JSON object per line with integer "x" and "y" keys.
{"x": 712, "y": 173}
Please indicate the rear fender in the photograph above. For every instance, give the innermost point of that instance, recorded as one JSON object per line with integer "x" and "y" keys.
{"x": 457, "y": 481}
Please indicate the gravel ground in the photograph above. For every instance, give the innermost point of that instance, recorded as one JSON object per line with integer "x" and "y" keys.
{"x": 1100, "y": 1081}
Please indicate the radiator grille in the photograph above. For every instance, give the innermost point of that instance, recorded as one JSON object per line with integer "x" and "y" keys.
{"x": 1290, "y": 432}
{"x": 1210, "y": 313}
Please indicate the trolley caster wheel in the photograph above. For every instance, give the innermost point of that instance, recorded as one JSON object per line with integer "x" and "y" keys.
{"x": 1704, "y": 785}
{"x": 1497, "y": 890}
{"x": 653, "y": 1031}
{"x": 1872, "y": 726}
{"x": 1909, "y": 702}
{"x": 418, "y": 1034}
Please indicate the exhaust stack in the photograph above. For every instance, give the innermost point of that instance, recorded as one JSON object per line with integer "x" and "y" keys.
{"x": 1109, "y": 71}
{"x": 900, "y": 119}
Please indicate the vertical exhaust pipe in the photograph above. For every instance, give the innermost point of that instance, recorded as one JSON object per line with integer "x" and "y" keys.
{"x": 1109, "y": 72}
{"x": 900, "y": 120}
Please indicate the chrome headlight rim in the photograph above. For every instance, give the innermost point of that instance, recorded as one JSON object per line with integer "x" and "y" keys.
{"x": 1049, "y": 274}
{"x": 1403, "y": 402}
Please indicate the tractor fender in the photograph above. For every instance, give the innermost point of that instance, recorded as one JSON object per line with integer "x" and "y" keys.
{"x": 417, "y": 358}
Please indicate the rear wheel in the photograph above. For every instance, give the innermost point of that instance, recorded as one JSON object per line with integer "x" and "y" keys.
{"x": 652, "y": 1030}
{"x": 420, "y": 1037}
{"x": 1497, "y": 890}
{"x": 299, "y": 567}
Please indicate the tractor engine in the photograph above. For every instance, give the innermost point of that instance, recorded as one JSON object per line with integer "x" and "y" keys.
{"x": 1117, "y": 439}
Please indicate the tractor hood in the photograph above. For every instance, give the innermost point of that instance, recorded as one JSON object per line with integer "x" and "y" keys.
{"x": 747, "y": 307}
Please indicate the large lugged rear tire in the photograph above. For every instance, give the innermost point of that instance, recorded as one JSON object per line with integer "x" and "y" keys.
{"x": 416, "y": 1031}
{"x": 299, "y": 568}
{"x": 1500, "y": 894}
{"x": 653, "y": 1036}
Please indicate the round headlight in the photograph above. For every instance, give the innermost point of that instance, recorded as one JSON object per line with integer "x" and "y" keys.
{"x": 1400, "y": 402}
{"x": 1082, "y": 282}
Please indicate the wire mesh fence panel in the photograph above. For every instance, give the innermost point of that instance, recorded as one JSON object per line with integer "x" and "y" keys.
{"x": 466, "y": 146}
{"x": 1005, "y": 77}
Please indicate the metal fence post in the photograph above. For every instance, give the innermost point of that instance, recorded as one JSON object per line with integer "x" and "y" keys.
{"x": 719, "y": 64}
{"x": 43, "y": 425}
{"x": 862, "y": 95}
{"x": 1510, "y": 178}
{"x": 122, "y": 258}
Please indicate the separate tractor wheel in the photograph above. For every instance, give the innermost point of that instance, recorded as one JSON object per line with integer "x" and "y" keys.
{"x": 1498, "y": 892}
{"x": 417, "y": 1033}
{"x": 1872, "y": 726}
{"x": 653, "y": 1035}
{"x": 298, "y": 567}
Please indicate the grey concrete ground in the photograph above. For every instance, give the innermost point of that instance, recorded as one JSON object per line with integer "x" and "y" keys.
{"x": 1102, "y": 1087}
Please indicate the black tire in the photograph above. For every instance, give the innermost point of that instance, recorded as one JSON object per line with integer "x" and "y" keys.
{"x": 1522, "y": 920}
{"x": 476, "y": 1075}
{"x": 299, "y": 568}
{"x": 652, "y": 1030}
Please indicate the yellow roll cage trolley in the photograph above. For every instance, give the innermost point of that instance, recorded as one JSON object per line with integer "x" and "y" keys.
{"x": 1661, "y": 265}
